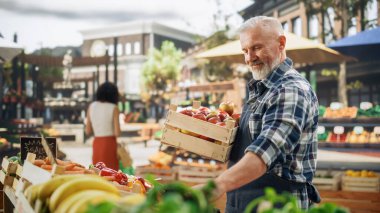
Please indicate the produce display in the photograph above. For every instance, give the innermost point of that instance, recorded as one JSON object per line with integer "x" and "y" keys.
{"x": 371, "y": 112}
{"x": 71, "y": 193}
{"x": 361, "y": 173}
{"x": 348, "y": 112}
{"x": 122, "y": 181}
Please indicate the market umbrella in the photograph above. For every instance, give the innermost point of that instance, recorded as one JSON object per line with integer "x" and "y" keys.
{"x": 299, "y": 49}
{"x": 8, "y": 50}
{"x": 364, "y": 45}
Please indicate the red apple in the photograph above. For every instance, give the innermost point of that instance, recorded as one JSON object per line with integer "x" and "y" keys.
{"x": 214, "y": 120}
{"x": 222, "y": 115}
{"x": 204, "y": 110}
{"x": 236, "y": 116}
{"x": 227, "y": 106}
{"x": 187, "y": 112}
{"x": 200, "y": 116}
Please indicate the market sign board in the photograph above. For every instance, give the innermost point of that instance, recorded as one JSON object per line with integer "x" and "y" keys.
{"x": 34, "y": 145}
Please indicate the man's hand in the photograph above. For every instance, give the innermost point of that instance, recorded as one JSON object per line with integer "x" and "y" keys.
{"x": 215, "y": 193}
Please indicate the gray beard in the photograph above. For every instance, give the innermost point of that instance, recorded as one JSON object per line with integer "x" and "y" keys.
{"x": 260, "y": 74}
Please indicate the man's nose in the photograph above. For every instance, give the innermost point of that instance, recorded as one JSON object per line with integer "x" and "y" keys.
{"x": 250, "y": 56}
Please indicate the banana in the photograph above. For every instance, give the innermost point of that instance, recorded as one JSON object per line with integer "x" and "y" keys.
{"x": 31, "y": 193}
{"x": 82, "y": 204}
{"x": 48, "y": 188}
{"x": 66, "y": 204}
{"x": 132, "y": 200}
{"x": 79, "y": 184}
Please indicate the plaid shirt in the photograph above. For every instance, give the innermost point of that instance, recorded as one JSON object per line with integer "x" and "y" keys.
{"x": 283, "y": 125}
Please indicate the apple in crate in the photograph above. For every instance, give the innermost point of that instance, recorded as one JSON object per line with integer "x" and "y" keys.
{"x": 227, "y": 106}
{"x": 204, "y": 110}
{"x": 222, "y": 115}
{"x": 200, "y": 116}
{"x": 206, "y": 138}
{"x": 214, "y": 120}
{"x": 187, "y": 112}
{"x": 236, "y": 116}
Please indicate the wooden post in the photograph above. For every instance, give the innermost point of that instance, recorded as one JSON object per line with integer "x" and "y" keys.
{"x": 107, "y": 66}
{"x": 115, "y": 41}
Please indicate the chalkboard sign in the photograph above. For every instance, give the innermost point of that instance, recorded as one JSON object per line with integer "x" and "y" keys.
{"x": 34, "y": 145}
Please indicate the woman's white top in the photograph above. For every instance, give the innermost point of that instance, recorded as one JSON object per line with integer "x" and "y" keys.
{"x": 101, "y": 116}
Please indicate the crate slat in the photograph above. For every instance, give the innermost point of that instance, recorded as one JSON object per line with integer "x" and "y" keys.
{"x": 164, "y": 174}
{"x": 196, "y": 145}
{"x": 328, "y": 183}
{"x": 368, "y": 184}
{"x": 8, "y": 167}
{"x": 6, "y": 179}
{"x": 197, "y": 174}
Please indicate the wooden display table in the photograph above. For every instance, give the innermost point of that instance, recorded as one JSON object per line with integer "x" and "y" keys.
{"x": 355, "y": 201}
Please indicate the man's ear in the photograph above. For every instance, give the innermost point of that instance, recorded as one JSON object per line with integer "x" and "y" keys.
{"x": 282, "y": 40}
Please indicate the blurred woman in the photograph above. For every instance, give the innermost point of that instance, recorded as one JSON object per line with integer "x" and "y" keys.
{"x": 103, "y": 122}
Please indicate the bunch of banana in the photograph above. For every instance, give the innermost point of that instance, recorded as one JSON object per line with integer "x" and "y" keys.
{"x": 72, "y": 191}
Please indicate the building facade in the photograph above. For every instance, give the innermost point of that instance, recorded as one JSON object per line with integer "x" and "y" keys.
{"x": 324, "y": 27}
{"x": 132, "y": 40}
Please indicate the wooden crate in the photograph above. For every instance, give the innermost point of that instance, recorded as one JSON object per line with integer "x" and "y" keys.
{"x": 172, "y": 136}
{"x": 363, "y": 184}
{"x": 6, "y": 179}
{"x": 197, "y": 174}
{"x": 166, "y": 175}
{"x": 331, "y": 184}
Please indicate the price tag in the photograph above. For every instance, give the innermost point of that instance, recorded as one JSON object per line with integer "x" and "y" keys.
{"x": 376, "y": 130}
{"x": 338, "y": 130}
{"x": 336, "y": 105}
{"x": 321, "y": 130}
{"x": 358, "y": 130}
{"x": 366, "y": 105}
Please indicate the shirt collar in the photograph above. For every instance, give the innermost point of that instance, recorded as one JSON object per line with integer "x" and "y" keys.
{"x": 259, "y": 86}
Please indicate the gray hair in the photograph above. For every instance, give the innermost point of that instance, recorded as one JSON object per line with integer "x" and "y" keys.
{"x": 265, "y": 22}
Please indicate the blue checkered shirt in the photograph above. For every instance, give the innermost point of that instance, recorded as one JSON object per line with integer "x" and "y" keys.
{"x": 283, "y": 125}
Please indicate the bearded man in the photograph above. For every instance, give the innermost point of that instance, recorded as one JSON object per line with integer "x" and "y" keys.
{"x": 276, "y": 144}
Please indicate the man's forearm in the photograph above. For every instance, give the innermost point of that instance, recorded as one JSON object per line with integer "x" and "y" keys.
{"x": 249, "y": 168}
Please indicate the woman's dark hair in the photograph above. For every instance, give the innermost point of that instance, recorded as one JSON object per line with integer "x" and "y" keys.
{"x": 107, "y": 92}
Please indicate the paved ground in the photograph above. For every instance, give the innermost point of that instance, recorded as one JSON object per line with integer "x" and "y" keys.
{"x": 82, "y": 153}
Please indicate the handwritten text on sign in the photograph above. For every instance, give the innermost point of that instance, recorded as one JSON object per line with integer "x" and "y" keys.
{"x": 34, "y": 145}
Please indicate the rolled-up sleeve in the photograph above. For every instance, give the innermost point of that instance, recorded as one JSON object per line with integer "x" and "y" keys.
{"x": 282, "y": 125}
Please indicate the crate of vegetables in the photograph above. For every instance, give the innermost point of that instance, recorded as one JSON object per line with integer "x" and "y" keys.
{"x": 366, "y": 181}
{"x": 327, "y": 180}
{"x": 209, "y": 133}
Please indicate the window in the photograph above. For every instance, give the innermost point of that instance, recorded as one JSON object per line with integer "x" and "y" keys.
{"x": 119, "y": 49}
{"x": 128, "y": 48}
{"x": 136, "y": 48}
{"x": 371, "y": 14}
{"x": 352, "y": 30}
{"x": 285, "y": 26}
{"x": 297, "y": 26}
{"x": 110, "y": 50}
{"x": 329, "y": 25}
{"x": 313, "y": 27}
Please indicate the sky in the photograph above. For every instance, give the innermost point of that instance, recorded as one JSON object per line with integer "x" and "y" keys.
{"x": 51, "y": 23}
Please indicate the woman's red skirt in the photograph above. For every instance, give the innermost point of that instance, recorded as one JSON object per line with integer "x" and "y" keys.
{"x": 104, "y": 149}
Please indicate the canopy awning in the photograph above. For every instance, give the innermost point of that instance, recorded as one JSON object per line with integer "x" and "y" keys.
{"x": 364, "y": 45}
{"x": 299, "y": 49}
{"x": 8, "y": 50}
